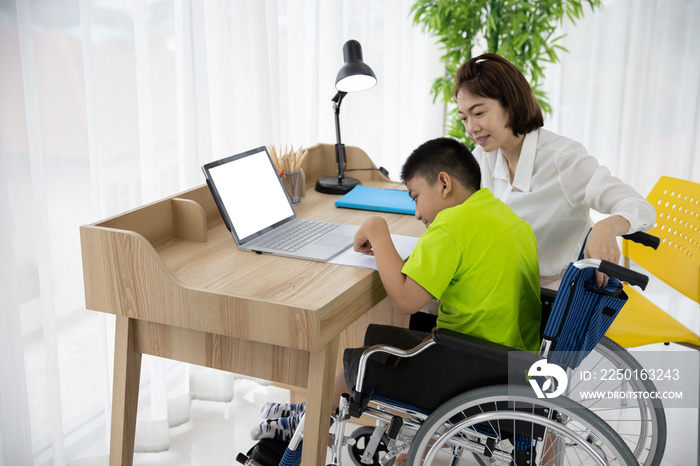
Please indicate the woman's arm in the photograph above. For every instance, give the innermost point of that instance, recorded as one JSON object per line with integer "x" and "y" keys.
{"x": 587, "y": 182}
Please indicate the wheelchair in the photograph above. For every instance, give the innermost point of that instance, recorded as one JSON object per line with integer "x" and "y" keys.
{"x": 458, "y": 400}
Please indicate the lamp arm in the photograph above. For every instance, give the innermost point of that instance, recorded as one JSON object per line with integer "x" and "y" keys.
{"x": 339, "y": 149}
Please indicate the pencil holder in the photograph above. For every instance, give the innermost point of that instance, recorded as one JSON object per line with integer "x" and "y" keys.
{"x": 292, "y": 183}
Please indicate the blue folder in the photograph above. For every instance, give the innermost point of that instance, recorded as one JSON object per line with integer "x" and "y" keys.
{"x": 381, "y": 200}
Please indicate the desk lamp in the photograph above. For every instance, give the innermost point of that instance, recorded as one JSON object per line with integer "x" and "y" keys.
{"x": 354, "y": 76}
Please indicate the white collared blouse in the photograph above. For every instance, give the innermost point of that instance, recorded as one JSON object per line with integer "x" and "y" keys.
{"x": 556, "y": 184}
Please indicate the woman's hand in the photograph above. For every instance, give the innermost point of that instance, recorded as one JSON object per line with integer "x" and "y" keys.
{"x": 602, "y": 243}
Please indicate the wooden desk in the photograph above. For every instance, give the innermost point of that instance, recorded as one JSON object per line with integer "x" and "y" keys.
{"x": 180, "y": 289}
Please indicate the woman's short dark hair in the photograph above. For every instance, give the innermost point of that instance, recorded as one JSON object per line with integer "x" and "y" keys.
{"x": 443, "y": 155}
{"x": 492, "y": 76}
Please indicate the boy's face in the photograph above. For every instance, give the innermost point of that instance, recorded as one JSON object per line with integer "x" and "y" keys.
{"x": 429, "y": 199}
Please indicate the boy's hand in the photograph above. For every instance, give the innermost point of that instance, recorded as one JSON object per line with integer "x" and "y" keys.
{"x": 362, "y": 244}
{"x": 373, "y": 230}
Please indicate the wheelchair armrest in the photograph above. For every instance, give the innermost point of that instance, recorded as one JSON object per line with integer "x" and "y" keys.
{"x": 390, "y": 350}
{"x": 396, "y": 351}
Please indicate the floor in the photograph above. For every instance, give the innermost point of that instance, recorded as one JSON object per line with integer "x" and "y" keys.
{"x": 217, "y": 432}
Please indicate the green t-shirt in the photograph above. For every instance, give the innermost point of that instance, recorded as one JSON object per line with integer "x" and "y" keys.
{"x": 480, "y": 260}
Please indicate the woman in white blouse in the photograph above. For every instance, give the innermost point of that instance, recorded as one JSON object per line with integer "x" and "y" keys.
{"x": 549, "y": 180}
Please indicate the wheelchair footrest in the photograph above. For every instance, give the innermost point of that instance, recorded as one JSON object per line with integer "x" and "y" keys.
{"x": 267, "y": 452}
{"x": 489, "y": 448}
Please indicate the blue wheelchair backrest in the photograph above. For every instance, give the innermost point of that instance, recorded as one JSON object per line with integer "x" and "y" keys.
{"x": 581, "y": 314}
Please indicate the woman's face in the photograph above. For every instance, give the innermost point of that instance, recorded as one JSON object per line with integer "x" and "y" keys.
{"x": 485, "y": 121}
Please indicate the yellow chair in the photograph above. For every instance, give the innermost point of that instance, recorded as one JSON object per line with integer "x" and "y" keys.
{"x": 676, "y": 262}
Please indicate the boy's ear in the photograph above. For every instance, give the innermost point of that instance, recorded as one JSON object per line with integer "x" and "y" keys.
{"x": 445, "y": 181}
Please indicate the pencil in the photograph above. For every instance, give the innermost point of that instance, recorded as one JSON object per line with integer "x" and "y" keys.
{"x": 274, "y": 158}
{"x": 288, "y": 160}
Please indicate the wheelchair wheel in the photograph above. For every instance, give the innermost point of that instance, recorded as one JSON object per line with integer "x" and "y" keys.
{"x": 508, "y": 425}
{"x": 640, "y": 422}
{"x": 362, "y": 437}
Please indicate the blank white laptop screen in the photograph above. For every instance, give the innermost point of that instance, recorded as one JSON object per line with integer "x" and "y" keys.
{"x": 252, "y": 202}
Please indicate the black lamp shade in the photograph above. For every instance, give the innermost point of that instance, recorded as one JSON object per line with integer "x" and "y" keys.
{"x": 355, "y": 74}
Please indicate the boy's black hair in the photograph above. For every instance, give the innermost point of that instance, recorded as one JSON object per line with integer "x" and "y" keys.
{"x": 443, "y": 155}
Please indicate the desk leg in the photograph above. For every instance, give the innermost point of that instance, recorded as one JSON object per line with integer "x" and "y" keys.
{"x": 322, "y": 366}
{"x": 125, "y": 396}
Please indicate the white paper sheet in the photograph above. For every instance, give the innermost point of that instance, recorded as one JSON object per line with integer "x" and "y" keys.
{"x": 404, "y": 245}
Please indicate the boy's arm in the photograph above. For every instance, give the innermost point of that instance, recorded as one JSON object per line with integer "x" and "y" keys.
{"x": 373, "y": 238}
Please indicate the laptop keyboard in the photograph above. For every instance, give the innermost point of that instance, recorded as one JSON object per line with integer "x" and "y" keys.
{"x": 301, "y": 234}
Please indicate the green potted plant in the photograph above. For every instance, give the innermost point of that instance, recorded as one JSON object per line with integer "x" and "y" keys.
{"x": 524, "y": 32}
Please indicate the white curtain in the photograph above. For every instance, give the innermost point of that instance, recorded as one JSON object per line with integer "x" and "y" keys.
{"x": 629, "y": 89}
{"x": 106, "y": 105}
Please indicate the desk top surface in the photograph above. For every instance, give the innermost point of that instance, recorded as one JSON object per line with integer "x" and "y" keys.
{"x": 137, "y": 265}
{"x": 213, "y": 287}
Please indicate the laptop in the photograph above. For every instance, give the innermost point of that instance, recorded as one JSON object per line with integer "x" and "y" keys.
{"x": 259, "y": 214}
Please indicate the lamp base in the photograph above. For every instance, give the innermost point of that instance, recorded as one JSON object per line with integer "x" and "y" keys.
{"x": 332, "y": 185}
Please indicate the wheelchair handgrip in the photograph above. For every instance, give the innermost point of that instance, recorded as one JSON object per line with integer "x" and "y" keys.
{"x": 624, "y": 274}
{"x": 644, "y": 239}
